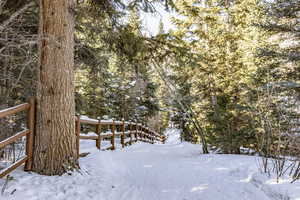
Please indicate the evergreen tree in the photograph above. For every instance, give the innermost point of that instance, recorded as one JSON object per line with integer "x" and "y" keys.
{"x": 161, "y": 27}
{"x": 55, "y": 140}
{"x": 224, "y": 40}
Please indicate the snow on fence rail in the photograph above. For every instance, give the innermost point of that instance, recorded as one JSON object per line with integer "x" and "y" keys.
{"x": 133, "y": 131}
{"x": 122, "y": 129}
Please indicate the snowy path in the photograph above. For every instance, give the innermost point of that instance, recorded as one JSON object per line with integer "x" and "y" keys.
{"x": 174, "y": 171}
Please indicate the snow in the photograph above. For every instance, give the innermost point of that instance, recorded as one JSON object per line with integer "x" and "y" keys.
{"x": 84, "y": 117}
{"x": 142, "y": 108}
{"x": 132, "y": 83}
{"x": 88, "y": 134}
{"x": 107, "y": 132}
{"x": 171, "y": 171}
{"x": 107, "y": 120}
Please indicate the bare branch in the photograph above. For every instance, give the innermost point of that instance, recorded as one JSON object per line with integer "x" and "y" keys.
{"x": 15, "y": 15}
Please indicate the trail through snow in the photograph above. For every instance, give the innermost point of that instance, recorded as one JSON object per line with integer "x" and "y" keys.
{"x": 171, "y": 171}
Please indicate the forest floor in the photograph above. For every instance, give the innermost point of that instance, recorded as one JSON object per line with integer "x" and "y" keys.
{"x": 173, "y": 171}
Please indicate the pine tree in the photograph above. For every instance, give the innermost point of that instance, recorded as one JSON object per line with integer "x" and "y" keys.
{"x": 276, "y": 100}
{"x": 161, "y": 29}
{"x": 55, "y": 139}
{"x": 224, "y": 39}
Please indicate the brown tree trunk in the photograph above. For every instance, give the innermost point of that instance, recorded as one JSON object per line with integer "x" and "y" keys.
{"x": 55, "y": 141}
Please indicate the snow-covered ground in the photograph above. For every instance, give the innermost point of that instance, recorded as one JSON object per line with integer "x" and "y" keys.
{"x": 171, "y": 171}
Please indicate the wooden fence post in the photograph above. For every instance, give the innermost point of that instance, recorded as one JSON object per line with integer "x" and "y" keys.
{"x": 151, "y": 137}
{"x": 163, "y": 139}
{"x": 136, "y": 132}
{"x": 113, "y": 136}
{"x": 98, "y": 132}
{"x": 130, "y": 142}
{"x": 77, "y": 132}
{"x": 123, "y": 134}
{"x": 141, "y": 132}
{"x": 146, "y": 135}
{"x": 30, "y": 135}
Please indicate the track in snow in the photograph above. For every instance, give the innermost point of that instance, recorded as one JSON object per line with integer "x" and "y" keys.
{"x": 173, "y": 171}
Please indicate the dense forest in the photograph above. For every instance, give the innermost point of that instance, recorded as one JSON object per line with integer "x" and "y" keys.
{"x": 226, "y": 73}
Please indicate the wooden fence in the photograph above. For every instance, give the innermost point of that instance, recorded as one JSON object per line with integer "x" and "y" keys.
{"x": 27, "y": 132}
{"x": 122, "y": 129}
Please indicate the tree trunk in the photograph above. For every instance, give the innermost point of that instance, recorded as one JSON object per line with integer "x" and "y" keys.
{"x": 55, "y": 141}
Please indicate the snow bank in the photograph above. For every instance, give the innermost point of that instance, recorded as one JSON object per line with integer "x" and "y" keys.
{"x": 173, "y": 136}
{"x": 173, "y": 171}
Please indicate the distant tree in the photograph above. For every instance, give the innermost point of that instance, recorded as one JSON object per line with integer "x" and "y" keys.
{"x": 161, "y": 29}
{"x": 222, "y": 40}
{"x": 283, "y": 24}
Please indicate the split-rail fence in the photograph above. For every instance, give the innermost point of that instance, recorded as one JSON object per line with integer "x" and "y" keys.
{"x": 128, "y": 132}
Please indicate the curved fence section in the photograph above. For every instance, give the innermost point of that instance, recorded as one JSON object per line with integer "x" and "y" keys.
{"x": 127, "y": 133}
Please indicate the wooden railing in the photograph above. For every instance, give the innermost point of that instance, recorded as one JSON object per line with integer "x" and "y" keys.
{"x": 122, "y": 129}
{"x": 133, "y": 131}
{"x": 27, "y": 132}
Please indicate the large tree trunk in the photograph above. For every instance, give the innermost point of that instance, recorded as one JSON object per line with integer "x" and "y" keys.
{"x": 55, "y": 141}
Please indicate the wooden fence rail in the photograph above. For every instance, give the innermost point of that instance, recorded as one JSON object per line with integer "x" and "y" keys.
{"x": 122, "y": 129}
{"x": 28, "y": 132}
{"x": 119, "y": 129}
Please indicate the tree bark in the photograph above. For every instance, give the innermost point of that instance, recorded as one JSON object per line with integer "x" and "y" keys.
{"x": 55, "y": 141}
